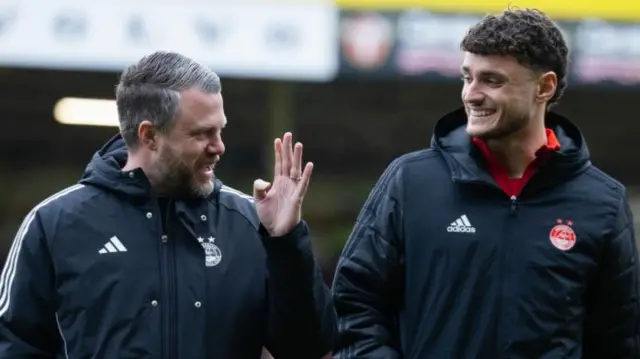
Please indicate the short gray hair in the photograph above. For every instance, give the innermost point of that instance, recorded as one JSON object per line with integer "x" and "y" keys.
{"x": 150, "y": 90}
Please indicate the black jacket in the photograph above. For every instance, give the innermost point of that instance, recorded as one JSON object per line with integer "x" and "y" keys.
{"x": 443, "y": 264}
{"x": 94, "y": 264}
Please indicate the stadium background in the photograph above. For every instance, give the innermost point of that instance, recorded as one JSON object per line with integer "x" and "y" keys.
{"x": 359, "y": 82}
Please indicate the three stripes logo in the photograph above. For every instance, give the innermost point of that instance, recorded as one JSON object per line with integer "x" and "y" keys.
{"x": 461, "y": 225}
{"x": 113, "y": 246}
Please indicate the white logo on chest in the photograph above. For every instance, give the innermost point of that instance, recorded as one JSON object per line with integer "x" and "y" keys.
{"x": 461, "y": 225}
{"x": 212, "y": 253}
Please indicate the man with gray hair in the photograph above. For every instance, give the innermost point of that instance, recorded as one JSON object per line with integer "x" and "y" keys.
{"x": 151, "y": 256}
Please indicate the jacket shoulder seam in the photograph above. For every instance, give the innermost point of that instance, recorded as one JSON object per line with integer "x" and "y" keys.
{"x": 58, "y": 196}
{"x": 417, "y": 156}
{"x": 597, "y": 174}
{"x": 242, "y": 196}
{"x": 16, "y": 247}
{"x": 378, "y": 192}
{"x": 619, "y": 198}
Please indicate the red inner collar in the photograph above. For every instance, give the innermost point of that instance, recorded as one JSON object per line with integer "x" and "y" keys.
{"x": 513, "y": 186}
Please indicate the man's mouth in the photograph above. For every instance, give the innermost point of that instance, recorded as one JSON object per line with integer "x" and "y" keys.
{"x": 207, "y": 169}
{"x": 481, "y": 112}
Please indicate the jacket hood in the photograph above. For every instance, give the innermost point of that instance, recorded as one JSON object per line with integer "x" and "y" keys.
{"x": 467, "y": 164}
{"x": 105, "y": 171}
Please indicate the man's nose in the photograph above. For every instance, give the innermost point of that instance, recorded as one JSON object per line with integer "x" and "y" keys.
{"x": 472, "y": 96}
{"x": 216, "y": 147}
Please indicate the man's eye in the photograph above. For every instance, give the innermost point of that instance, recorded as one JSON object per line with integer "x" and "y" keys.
{"x": 200, "y": 135}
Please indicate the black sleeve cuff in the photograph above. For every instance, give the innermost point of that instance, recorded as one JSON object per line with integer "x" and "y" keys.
{"x": 290, "y": 255}
{"x": 296, "y": 237}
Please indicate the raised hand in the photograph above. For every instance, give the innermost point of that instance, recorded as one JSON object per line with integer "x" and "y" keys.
{"x": 279, "y": 203}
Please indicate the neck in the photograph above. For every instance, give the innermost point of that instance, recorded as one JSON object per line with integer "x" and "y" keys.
{"x": 136, "y": 160}
{"x": 518, "y": 150}
{"x": 133, "y": 161}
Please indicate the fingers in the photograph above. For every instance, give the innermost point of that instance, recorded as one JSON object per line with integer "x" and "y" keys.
{"x": 277, "y": 148}
{"x": 303, "y": 185}
{"x": 260, "y": 189}
{"x": 296, "y": 167}
{"x": 287, "y": 154}
{"x": 288, "y": 158}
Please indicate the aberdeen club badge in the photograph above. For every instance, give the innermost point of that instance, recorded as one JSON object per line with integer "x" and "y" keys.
{"x": 212, "y": 253}
{"x": 562, "y": 235}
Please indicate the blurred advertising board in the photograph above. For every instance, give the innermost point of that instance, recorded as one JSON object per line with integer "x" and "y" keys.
{"x": 268, "y": 40}
{"x": 625, "y": 10}
{"x": 606, "y": 52}
{"x": 425, "y": 46}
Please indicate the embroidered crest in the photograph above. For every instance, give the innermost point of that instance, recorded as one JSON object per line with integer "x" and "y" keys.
{"x": 562, "y": 235}
{"x": 212, "y": 253}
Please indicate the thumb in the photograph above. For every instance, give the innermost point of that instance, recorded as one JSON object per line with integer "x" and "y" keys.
{"x": 260, "y": 189}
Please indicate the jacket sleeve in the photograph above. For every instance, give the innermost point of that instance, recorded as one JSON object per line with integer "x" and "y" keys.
{"x": 613, "y": 299}
{"x": 301, "y": 319}
{"x": 368, "y": 281}
{"x": 28, "y": 326}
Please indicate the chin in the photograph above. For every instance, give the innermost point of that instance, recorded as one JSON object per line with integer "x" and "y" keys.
{"x": 478, "y": 131}
{"x": 202, "y": 190}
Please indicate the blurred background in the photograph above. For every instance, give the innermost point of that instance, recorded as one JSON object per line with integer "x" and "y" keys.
{"x": 359, "y": 82}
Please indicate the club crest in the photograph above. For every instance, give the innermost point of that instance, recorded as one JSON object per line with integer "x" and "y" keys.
{"x": 212, "y": 253}
{"x": 562, "y": 235}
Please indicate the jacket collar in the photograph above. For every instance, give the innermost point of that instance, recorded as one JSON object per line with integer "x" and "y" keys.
{"x": 467, "y": 164}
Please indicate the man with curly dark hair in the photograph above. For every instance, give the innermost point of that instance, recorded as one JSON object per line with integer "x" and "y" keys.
{"x": 502, "y": 239}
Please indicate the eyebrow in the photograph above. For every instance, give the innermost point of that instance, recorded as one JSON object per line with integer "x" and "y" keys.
{"x": 206, "y": 128}
{"x": 485, "y": 72}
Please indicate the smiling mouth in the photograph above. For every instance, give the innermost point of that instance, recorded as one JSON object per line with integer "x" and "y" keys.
{"x": 207, "y": 170}
{"x": 481, "y": 112}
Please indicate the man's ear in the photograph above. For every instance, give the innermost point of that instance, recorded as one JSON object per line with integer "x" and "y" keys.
{"x": 148, "y": 135}
{"x": 547, "y": 86}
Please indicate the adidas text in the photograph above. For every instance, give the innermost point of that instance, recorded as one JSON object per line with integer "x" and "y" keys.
{"x": 461, "y": 225}
{"x": 459, "y": 229}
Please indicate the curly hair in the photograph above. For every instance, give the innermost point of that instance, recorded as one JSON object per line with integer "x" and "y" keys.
{"x": 529, "y": 36}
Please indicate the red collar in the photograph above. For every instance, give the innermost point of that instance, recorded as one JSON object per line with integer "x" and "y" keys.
{"x": 552, "y": 145}
{"x": 513, "y": 186}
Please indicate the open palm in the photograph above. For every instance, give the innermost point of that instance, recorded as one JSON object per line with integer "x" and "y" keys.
{"x": 279, "y": 203}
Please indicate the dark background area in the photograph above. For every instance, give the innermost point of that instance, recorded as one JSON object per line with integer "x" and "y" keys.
{"x": 351, "y": 130}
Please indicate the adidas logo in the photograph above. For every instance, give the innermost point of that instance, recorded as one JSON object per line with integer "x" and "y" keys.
{"x": 113, "y": 246}
{"x": 461, "y": 225}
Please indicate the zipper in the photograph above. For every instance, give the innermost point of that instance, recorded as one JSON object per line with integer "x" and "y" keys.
{"x": 504, "y": 273}
{"x": 514, "y": 205}
{"x": 169, "y": 291}
{"x": 502, "y": 344}
{"x": 165, "y": 299}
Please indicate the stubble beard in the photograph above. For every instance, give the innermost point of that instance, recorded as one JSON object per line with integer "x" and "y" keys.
{"x": 507, "y": 126}
{"x": 178, "y": 180}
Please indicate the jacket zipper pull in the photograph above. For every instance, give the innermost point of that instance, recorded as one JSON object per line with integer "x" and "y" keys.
{"x": 514, "y": 204}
